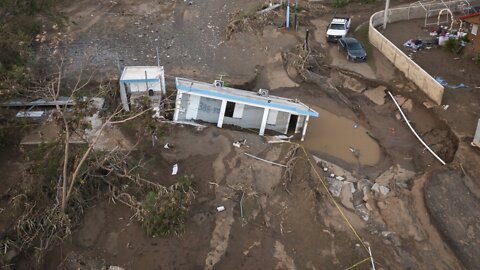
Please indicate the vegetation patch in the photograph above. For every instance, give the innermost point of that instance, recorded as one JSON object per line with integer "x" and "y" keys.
{"x": 165, "y": 212}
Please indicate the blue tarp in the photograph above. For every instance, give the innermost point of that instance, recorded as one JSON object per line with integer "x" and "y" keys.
{"x": 441, "y": 81}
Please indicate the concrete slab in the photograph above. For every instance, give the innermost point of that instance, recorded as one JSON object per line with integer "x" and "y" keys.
{"x": 376, "y": 95}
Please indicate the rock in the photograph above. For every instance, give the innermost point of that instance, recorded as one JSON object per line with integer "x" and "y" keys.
{"x": 335, "y": 186}
{"x": 346, "y": 196}
{"x": 428, "y": 104}
{"x": 363, "y": 211}
{"x": 366, "y": 194}
{"x": 408, "y": 105}
{"x": 398, "y": 116}
{"x": 376, "y": 95}
{"x": 362, "y": 183}
{"x": 380, "y": 189}
{"x": 384, "y": 190}
{"x": 376, "y": 187}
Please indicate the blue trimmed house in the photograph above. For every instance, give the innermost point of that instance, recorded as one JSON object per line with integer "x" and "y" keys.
{"x": 140, "y": 81}
{"x": 214, "y": 103}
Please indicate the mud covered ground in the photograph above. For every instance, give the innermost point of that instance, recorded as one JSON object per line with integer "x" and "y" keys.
{"x": 287, "y": 224}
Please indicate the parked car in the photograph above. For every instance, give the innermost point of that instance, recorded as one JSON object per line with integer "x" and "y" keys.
{"x": 338, "y": 28}
{"x": 353, "y": 49}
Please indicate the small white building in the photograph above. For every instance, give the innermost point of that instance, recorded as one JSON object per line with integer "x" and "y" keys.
{"x": 214, "y": 103}
{"x": 140, "y": 81}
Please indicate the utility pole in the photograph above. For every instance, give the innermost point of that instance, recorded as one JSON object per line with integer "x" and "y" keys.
{"x": 385, "y": 13}
{"x": 287, "y": 23}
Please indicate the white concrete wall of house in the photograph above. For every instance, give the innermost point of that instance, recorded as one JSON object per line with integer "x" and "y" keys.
{"x": 412, "y": 71}
{"x": 209, "y": 110}
{"x": 145, "y": 86}
{"x": 123, "y": 97}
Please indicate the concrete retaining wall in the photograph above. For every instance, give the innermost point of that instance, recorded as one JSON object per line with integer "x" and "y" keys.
{"x": 412, "y": 71}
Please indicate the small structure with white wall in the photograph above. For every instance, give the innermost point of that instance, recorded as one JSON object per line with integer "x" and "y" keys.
{"x": 141, "y": 81}
{"x": 214, "y": 103}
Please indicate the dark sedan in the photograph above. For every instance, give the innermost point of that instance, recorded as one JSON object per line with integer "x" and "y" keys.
{"x": 353, "y": 49}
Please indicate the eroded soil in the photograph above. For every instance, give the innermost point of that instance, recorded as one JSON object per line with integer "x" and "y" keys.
{"x": 287, "y": 223}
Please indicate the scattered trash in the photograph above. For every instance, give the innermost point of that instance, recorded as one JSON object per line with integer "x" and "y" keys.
{"x": 175, "y": 169}
{"x": 279, "y": 139}
{"x": 355, "y": 125}
{"x": 332, "y": 175}
{"x": 240, "y": 143}
{"x": 445, "y": 107}
{"x": 270, "y": 8}
{"x": 325, "y": 169}
{"x": 271, "y": 162}
{"x": 476, "y": 138}
{"x": 413, "y": 44}
{"x": 355, "y": 152}
{"x": 30, "y": 114}
{"x": 220, "y": 208}
{"x": 115, "y": 268}
{"x": 168, "y": 146}
{"x": 340, "y": 178}
{"x": 241, "y": 204}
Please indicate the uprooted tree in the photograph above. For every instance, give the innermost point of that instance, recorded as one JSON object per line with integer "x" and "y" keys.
{"x": 64, "y": 178}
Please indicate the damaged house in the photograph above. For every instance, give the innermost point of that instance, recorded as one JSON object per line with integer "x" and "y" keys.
{"x": 141, "y": 81}
{"x": 215, "y": 103}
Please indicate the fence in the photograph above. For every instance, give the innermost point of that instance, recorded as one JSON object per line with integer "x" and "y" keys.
{"x": 412, "y": 71}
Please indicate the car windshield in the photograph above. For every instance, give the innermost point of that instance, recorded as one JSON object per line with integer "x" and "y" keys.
{"x": 354, "y": 46}
{"x": 336, "y": 26}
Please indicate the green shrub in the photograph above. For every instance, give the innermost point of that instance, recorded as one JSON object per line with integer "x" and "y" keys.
{"x": 452, "y": 45}
{"x": 339, "y": 3}
{"x": 165, "y": 213}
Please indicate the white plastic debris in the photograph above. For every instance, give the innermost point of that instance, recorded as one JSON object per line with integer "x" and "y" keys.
{"x": 325, "y": 169}
{"x": 240, "y": 143}
{"x": 221, "y": 208}
{"x": 332, "y": 175}
{"x": 167, "y": 146}
{"x": 340, "y": 178}
{"x": 175, "y": 169}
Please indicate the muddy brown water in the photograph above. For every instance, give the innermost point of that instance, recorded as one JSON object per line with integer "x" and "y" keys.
{"x": 335, "y": 135}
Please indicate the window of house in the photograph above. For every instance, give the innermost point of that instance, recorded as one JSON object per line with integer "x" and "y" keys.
{"x": 230, "y": 109}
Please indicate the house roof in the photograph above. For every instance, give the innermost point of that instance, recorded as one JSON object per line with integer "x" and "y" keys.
{"x": 470, "y": 16}
{"x": 244, "y": 97}
{"x": 133, "y": 74}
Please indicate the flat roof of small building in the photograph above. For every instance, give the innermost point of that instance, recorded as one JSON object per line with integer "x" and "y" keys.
{"x": 132, "y": 74}
{"x": 244, "y": 97}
